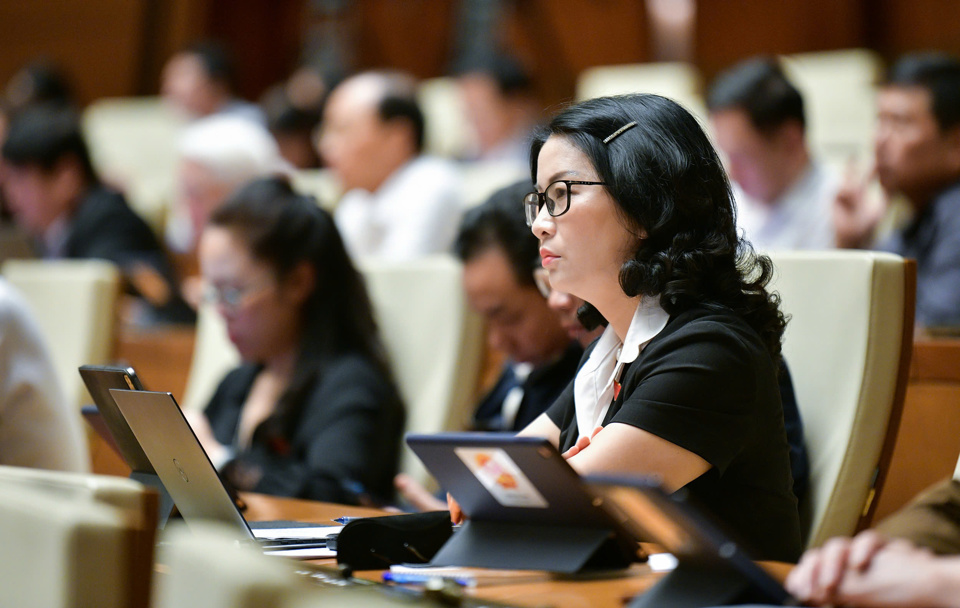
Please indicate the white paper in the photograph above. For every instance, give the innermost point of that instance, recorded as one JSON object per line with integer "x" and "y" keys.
{"x": 319, "y": 532}
{"x": 315, "y": 553}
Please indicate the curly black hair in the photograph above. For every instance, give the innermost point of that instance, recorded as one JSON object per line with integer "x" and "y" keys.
{"x": 668, "y": 182}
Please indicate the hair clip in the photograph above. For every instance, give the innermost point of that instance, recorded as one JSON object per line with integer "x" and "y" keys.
{"x": 619, "y": 132}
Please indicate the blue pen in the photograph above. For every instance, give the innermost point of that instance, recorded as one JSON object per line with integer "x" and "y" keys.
{"x": 419, "y": 579}
{"x": 345, "y": 520}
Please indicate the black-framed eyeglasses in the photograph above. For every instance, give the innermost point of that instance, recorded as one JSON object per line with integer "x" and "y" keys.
{"x": 556, "y": 198}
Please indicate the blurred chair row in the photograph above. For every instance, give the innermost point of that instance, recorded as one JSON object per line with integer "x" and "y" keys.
{"x": 434, "y": 342}
{"x": 82, "y": 541}
{"x": 133, "y": 140}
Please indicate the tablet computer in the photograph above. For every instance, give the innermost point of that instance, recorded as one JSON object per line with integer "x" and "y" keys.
{"x": 713, "y": 568}
{"x": 528, "y": 509}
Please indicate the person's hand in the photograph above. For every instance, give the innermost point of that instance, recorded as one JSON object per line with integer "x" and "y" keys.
{"x": 855, "y": 216}
{"x": 902, "y": 575}
{"x": 456, "y": 514}
{"x": 818, "y": 576}
{"x": 415, "y": 494}
{"x": 581, "y": 444}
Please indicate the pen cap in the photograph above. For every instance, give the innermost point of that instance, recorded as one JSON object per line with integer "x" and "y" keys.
{"x": 374, "y": 543}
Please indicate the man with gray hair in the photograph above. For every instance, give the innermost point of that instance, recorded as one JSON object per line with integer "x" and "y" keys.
{"x": 399, "y": 203}
{"x": 216, "y": 156}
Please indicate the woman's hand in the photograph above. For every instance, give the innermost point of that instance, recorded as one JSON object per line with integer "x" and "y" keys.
{"x": 581, "y": 444}
{"x": 456, "y": 515}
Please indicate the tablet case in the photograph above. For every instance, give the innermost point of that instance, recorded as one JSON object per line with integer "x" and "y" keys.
{"x": 528, "y": 509}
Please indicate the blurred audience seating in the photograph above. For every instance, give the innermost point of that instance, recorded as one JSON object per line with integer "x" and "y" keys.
{"x": 678, "y": 81}
{"x": 133, "y": 146}
{"x": 839, "y": 92}
{"x": 319, "y": 183}
{"x": 447, "y": 133}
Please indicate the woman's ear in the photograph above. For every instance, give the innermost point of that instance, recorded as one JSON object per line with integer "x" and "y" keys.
{"x": 300, "y": 282}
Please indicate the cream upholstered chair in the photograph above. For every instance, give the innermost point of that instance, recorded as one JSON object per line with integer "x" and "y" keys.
{"x": 433, "y": 340}
{"x": 213, "y": 356}
{"x": 133, "y": 143}
{"x": 848, "y": 345}
{"x": 480, "y": 179}
{"x": 73, "y": 540}
{"x": 74, "y": 302}
{"x": 839, "y": 93}
{"x": 447, "y": 133}
{"x": 322, "y": 184}
{"x": 204, "y": 567}
{"x": 676, "y": 80}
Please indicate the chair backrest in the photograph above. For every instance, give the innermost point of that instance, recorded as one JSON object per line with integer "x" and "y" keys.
{"x": 321, "y": 184}
{"x": 446, "y": 127}
{"x": 434, "y": 342}
{"x": 480, "y": 179}
{"x": 206, "y": 568}
{"x": 74, "y": 540}
{"x": 848, "y": 345}
{"x": 74, "y": 303}
{"x": 676, "y": 80}
{"x": 213, "y": 356}
{"x": 133, "y": 142}
{"x": 839, "y": 93}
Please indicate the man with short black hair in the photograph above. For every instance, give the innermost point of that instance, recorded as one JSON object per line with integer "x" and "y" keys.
{"x": 399, "y": 203}
{"x": 55, "y": 195}
{"x": 783, "y": 195}
{"x": 917, "y": 156}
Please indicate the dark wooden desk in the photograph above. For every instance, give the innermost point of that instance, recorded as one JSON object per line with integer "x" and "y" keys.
{"x": 610, "y": 591}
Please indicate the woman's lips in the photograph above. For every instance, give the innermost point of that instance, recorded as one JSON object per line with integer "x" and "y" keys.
{"x": 547, "y": 256}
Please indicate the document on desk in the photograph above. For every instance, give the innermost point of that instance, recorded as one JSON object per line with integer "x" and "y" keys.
{"x": 306, "y": 532}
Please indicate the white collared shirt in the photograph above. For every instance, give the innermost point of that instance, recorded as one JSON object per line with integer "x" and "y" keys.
{"x": 414, "y": 213}
{"x": 594, "y": 386}
{"x": 801, "y": 218}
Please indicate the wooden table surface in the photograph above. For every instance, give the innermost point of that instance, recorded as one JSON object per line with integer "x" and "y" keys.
{"x": 612, "y": 590}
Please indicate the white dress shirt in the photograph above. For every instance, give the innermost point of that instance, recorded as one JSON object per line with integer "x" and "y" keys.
{"x": 595, "y": 386}
{"x": 801, "y": 218}
{"x": 414, "y": 213}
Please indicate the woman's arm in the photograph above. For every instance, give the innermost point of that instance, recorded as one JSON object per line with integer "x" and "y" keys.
{"x": 621, "y": 448}
{"x": 542, "y": 426}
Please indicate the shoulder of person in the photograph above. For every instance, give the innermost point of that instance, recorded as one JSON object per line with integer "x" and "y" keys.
{"x": 708, "y": 323}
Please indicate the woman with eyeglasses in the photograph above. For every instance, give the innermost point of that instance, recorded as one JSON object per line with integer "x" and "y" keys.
{"x": 313, "y": 411}
{"x": 634, "y": 215}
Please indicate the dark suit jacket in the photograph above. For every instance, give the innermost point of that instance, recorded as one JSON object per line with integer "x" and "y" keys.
{"x": 104, "y": 227}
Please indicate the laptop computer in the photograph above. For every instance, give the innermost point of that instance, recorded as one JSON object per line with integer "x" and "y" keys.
{"x": 713, "y": 569}
{"x": 166, "y": 438}
{"x": 108, "y": 422}
{"x": 529, "y": 510}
